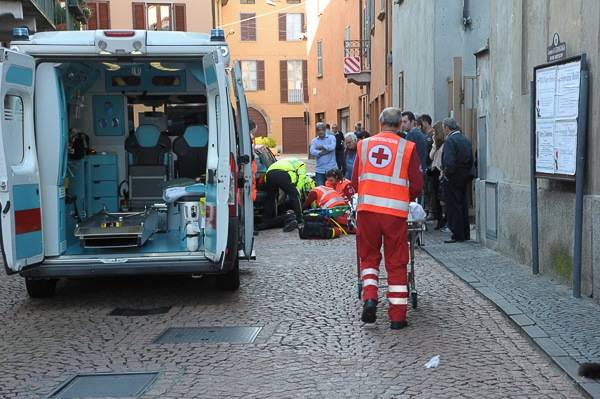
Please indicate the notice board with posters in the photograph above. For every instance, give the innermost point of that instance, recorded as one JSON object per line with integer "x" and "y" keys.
{"x": 558, "y": 98}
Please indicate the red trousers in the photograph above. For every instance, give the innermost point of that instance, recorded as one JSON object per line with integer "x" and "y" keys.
{"x": 375, "y": 229}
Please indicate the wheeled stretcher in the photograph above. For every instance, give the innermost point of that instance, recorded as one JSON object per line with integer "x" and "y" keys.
{"x": 416, "y": 227}
{"x": 118, "y": 229}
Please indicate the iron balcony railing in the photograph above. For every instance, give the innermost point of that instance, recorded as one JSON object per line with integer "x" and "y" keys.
{"x": 46, "y": 8}
{"x": 357, "y": 56}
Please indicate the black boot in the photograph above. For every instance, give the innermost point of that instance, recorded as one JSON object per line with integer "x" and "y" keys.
{"x": 398, "y": 325}
{"x": 369, "y": 314}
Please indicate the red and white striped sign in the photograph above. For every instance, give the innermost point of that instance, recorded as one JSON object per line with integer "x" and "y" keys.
{"x": 351, "y": 65}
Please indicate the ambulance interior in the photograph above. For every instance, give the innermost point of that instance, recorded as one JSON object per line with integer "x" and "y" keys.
{"x": 134, "y": 130}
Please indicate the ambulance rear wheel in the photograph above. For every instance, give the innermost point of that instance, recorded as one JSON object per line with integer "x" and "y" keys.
{"x": 40, "y": 288}
{"x": 230, "y": 281}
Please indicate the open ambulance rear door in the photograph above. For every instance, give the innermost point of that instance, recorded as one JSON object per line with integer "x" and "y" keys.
{"x": 246, "y": 153}
{"x": 218, "y": 168}
{"x": 20, "y": 207}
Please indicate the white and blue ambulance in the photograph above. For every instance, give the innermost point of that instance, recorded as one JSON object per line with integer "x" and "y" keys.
{"x": 123, "y": 152}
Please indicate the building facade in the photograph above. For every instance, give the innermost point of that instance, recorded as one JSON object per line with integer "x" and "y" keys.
{"x": 521, "y": 33}
{"x": 178, "y": 15}
{"x": 333, "y": 28}
{"x": 269, "y": 40}
{"x": 433, "y": 57}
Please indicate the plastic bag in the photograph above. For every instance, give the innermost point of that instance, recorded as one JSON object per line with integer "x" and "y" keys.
{"x": 416, "y": 212}
{"x": 433, "y": 363}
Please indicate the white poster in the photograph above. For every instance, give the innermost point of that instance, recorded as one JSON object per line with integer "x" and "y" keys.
{"x": 567, "y": 91}
{"x": 565, "y": 147}
{"x": 557, "y": 110}
{"x": 545, "y": 92}
{"x": 545, "y": 162}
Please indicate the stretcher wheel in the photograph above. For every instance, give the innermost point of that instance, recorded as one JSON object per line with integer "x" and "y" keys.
{"x": 414, "y": 299}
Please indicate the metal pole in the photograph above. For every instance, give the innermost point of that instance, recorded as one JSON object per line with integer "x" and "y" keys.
{"x": 580, "y": 177}
{"x": 535, "y": 261}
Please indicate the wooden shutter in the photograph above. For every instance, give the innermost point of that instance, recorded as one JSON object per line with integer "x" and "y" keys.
{"x": 179, "y": 11}
{"x": 282, "y": 27}
{"x": 260, "y": 75}
{"x": 305, "y": 80}
{"x": 248, "y": 26}
{"x": 302, "y": 23}
{"x": 103, "y": 15}
{"x": 283, "y": 81}
{"x": 139, "y": 15}
{"x": 92, "y": 23}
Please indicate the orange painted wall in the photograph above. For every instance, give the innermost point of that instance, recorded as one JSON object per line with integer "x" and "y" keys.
{"x": 269, "y": 48}
{"x": 198, "y": 14}
{"x": 332, "y": 92}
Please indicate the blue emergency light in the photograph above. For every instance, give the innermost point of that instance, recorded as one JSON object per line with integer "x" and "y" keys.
{"x": 217, "y": 35}
{"x": 20, "y": 33}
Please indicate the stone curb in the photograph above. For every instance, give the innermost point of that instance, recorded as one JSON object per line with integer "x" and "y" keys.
{"x": 526, "y": 326}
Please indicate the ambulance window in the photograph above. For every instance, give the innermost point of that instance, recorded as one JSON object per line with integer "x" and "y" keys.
{"x": 13, "y": 128}
{"x": 168, "y": 80}
{"x": 123, "y": 81}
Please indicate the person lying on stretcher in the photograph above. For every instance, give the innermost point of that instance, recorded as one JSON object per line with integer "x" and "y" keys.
{"x": 323, "y": 197}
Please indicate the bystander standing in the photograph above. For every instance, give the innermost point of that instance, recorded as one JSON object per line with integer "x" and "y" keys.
{"x": 457, "y": 161}
{"x": 323, "y": 148}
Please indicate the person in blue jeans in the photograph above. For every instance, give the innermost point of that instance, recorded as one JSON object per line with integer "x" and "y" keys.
{"x": 322, "y": 148}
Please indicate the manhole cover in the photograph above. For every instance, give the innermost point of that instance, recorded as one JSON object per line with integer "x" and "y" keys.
{"x": 139, "y": 312}
{"x": 105, "y": 385}
{"x": 187, "y": 335}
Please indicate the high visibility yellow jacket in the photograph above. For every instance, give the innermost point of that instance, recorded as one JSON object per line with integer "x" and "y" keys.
{"x": 295, "y": 168}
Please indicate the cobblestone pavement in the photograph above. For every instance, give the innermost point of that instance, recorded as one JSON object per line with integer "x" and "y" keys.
{"x": 312, "y": 343}
{"x": 566, "y": 327}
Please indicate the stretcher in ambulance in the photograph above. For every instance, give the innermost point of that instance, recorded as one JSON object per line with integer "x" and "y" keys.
{"x": 122, "y": 152}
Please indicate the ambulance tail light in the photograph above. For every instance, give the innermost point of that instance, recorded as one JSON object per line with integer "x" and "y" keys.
{"x": 232, "y": 187}
{"x": 119, "y": 33}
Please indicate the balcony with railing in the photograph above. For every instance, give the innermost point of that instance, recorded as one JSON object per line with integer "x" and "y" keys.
{"x": 357, "y": 61}
{"x": 43, "y": 11}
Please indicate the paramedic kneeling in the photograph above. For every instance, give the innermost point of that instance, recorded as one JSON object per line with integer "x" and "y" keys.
{"x": 387, "y": 175}
{"x": 335, "y": 179}
{"x": 289, "y": 175}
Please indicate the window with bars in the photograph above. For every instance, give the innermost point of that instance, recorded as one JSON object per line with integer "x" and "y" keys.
{"x": 248, "y": 26}
{"x": 247, "y": 1}
{"x": 295, "y": 82}
{"x": 320, "y": 59}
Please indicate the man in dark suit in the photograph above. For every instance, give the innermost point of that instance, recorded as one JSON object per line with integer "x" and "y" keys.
{"x": 457, "y": 163}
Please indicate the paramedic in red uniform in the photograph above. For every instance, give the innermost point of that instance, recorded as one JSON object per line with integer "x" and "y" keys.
{"x": 387, "y": 176}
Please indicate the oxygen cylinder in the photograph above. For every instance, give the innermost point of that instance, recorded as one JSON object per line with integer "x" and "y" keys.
{"x": 192, "y": 232}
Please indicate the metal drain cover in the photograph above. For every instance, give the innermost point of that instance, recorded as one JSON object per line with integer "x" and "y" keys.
{"x": 187, "y": 335}
{"x": 139, "y": 312}
{"x": 105, "y": 385}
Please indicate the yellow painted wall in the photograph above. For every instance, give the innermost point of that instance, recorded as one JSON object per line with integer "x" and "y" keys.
{"x": 327, "y": 20}
{"x": 267, "y": 47}
{"x": 198, "y": 14}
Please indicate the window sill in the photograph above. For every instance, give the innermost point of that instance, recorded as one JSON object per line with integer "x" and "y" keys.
{"x": 320, "y": 76}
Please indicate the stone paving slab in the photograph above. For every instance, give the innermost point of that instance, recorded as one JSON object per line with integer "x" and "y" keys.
{"x": 312, "y": 343}
{"x": 567, "y": 329}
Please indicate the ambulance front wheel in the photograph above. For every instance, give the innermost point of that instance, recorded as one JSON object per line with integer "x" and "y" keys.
{"x": 40, "y": 288}
{"x": 230, "y": 281}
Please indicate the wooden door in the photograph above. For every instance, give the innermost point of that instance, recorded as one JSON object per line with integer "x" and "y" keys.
{"x": 294, "y": 136}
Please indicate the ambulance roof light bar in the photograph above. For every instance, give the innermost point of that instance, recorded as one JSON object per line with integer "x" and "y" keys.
{"x": 20, "y": 33}
{"x": 217, "y": 35}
